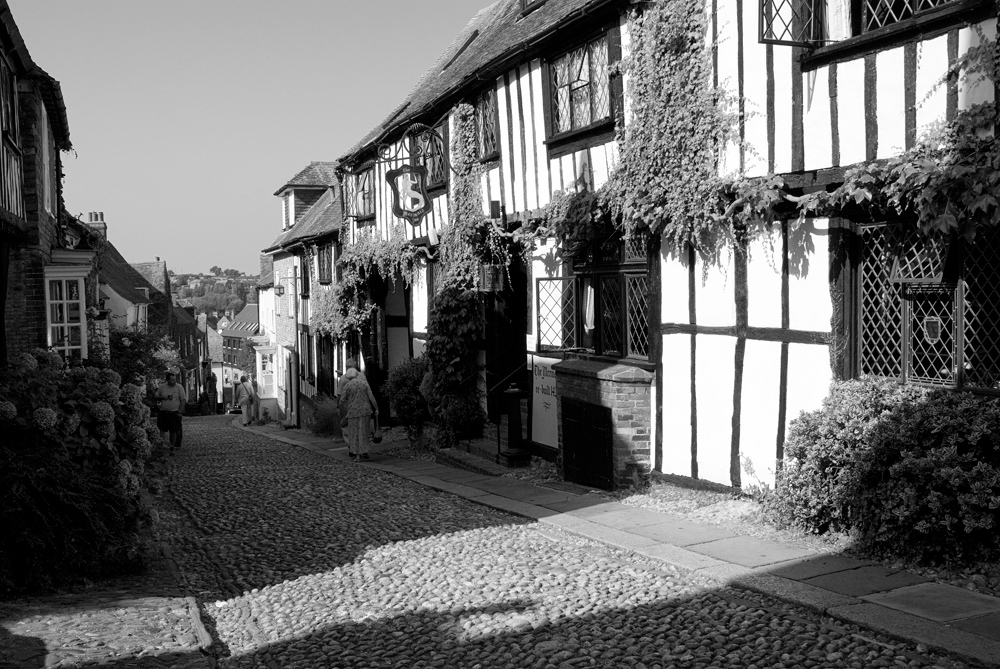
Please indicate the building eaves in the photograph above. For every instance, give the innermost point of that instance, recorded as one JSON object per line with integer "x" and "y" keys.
{"x": 497, "y": 38}
{"x": 115, "y": 271}
{"x": 321, "y": 220}
{"x": 317, "y": 174}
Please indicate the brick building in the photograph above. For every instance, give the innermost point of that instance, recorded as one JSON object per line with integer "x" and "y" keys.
{"x": 46, "y": 256}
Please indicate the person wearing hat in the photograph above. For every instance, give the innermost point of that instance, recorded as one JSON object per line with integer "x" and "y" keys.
{"x": 357, "y": 404}
{"x": 172, "y": 398}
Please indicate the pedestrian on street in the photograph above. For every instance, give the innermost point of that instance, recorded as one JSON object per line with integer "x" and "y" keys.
{"x": 246, "y": 398}
{"x": 357, "y": 404}
{"x": 172, "y": 398}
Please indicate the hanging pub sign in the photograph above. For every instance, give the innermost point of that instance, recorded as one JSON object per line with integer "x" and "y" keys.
{"x": 424, "y": 151}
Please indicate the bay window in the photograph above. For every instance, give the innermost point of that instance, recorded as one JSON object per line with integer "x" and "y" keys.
{"x": 66, "y": 318}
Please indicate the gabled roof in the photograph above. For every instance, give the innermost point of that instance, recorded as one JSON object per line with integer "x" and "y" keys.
{"x": 155, "y": 273}
{"x": 497, "y": 38}
{"x": 122, "y": 277}
{"x": 322, "y": 219}
{"x": 183, "y": 317}
{"x": 248, "y": 314}
{"x": 316, "y": 175}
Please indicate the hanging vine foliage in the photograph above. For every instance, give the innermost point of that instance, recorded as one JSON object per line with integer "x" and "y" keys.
{"x": 666, "y": 179}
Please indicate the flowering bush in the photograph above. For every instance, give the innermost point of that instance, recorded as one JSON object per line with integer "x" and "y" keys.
{"x": 72, "y": 466}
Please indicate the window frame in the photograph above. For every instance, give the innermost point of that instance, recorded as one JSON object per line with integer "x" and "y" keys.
{"x": 64, "y": 281}
{"x": 487, "y": 93}
{"x": 596, "y": 130}
{"x": 528, "y": 6}
{"x": 324, "y": 264}
{"x": 434, "y": 187}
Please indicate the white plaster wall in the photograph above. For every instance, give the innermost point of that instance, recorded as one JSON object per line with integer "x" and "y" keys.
{"x": 676, "y": 404}
{"x": 714, "y": 382}
{"x": 715, "y": 302}
{"x": 418, "y": 299}
{"x": 754, "y": 93}
{"x": 764, "y": 280}
{"x": 817, "y": 139}
{"x": 674, "y": 279}
{"x": 851, "y": 111}
{"x": 976, "y": 89}
{"x": 782, "y": 109}
{"x": 890, "y": 87}
{"x": 728, "y": 50}
{"x": 932, "y": 94}
{"x": 809, "y": 303}
{"x": 809, "y": 378}
{"x": 759, "y": 409}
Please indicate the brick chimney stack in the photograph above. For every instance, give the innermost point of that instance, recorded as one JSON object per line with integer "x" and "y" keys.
{"x": 95, "y": 221}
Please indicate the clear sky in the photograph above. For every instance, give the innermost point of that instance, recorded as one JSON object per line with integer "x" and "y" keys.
{"x": 187, "y": 115}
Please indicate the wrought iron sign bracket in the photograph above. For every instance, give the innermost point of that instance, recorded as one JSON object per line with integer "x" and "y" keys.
{"x": 408, "y": 182}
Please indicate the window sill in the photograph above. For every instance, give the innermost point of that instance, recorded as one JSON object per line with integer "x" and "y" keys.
{"x": 491, "y": 158}
{"x": 580, "y": 138}
{"x": 927, "y": 24}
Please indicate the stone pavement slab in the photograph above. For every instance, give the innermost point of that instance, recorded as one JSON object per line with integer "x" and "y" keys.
{"x": 610, "y": 535}
{"x": 540, "y": 496}
{"x": 919, "y": 630}
{"x": 628, "y": 518}
{"x": 816, "y": 565}
{"x": 589, "y": 510}
{"x": 575, "y": 503}
{"x": 809, "y": 596}
{"x": 447, "y": 486}
{"x": 678, "y": 557}
{"x": 865, "y": 580}
{"x": 680, "y": 532}
{"x": 937, "y": 601}
{"x": 461, "y": 476}
{"x": 987, "y": 626}
{"x": 750, "y": 551}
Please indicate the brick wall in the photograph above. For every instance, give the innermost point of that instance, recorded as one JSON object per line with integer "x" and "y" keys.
{"x": 24, "y": 320}
{"x": 627, "y": 392}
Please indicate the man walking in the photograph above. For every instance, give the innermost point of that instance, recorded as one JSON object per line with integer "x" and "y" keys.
{"x": 172, "y": 398}
{"x": 246, "y": 398}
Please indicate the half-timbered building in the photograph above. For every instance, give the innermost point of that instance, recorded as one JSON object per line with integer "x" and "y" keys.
{"x": 637, "y": 358}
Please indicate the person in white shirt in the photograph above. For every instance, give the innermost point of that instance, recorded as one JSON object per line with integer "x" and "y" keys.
{"x": 172, "y": 398}
{"x": 245, "y": 398}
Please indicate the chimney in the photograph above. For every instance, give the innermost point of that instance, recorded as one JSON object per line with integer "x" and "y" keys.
{"x": 215, "y": 315}
{"x": 157, "y": 258}
{"x": 95, "y": 221}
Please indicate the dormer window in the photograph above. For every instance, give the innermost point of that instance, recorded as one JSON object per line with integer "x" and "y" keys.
{"x": 530, "y": 5}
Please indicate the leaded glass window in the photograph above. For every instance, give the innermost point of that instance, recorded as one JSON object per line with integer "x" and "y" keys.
{"x": 486, "y": 124}
{"x": 581, "y": 91}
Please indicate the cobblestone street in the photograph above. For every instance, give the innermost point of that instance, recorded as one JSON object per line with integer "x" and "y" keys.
{"x": 300, "y": 560}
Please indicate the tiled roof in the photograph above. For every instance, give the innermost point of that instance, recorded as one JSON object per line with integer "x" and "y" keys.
{"x": 247, "y": 315}
{"x": 122, "y": 277}
{"x": 321, "y": 219}
{"x": 497, "y": 38}
{"x": 242, "y": 333}
{"x": 155, "y": 273}
{"x": 317, "y": 174}
{"x": 183, "y": 317}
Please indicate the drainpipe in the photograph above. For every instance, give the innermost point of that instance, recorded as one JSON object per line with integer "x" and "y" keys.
{"x": 295, "y": 353}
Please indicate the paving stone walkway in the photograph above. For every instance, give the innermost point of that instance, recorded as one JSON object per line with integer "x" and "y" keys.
{"x": 898, "y": 603}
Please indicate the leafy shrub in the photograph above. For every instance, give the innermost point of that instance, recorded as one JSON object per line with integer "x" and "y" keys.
{"x": 914, "y": 473}
{"x": 326, "y": 416}
{"x": 72, "y": 470}
{"x": 814, "y": 489}
{"x": 452, "y": 350}
{"x": 929, "y": 488}
{"x": 402, "y": 390}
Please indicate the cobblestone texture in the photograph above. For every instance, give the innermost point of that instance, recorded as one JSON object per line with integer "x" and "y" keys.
{"x": 300, "y": 560}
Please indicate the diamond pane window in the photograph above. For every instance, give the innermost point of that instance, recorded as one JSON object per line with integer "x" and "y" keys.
{"x": 581, "y": 87}
{"x": 324, "y": 264}
{"x": 486, "y": 124}
{"x": 430, "y": 152}
{"x": 610, "y": 317}
{"x": 879, "y": 13}
{"x": 556, "y": 313}
{"x": 880, "y": 321}
{"x": 931, "y": 342}
{"x": 789, "y": 22}
{"x": 637, "y": 294}
{"x": 364, "y": 194}
{"x": 920, "y": 261}
{"x": 981, "y": 291}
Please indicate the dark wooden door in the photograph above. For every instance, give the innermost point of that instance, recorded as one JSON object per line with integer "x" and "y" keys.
{"x": 587, "y": 444}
